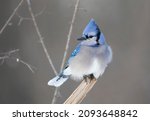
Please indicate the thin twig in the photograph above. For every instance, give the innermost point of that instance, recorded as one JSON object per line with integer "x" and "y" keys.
{"x": 10, "y": 52}
{"x": 56, "y": 93}
{"x": 8, "y": 55}
{"x": 22, "y": 18}
{"x": 31, "y": 68}
{"x": 11, "y": 16}
{"x": 40, "y": 37}
{"x": 2, "y": 59}
{"x": 81, "y": 91}
{"x": 69, "y": 34}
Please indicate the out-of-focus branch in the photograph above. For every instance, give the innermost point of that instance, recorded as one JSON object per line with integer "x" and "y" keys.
{"x": 40, "y": 37}
{"x": 56, "y": 93}
{"x": 69, "y": 33}
{"x": 22, "y": 18}
{"x": 6, "y": 55}
{"x": 11, "y": 16}
{"x": 9, "y": 55}
{"x": 81, "y": 91}
{"x": 30, "y": 67}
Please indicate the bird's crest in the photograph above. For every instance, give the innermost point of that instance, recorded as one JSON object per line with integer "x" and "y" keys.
{"x": 92, "y": 28}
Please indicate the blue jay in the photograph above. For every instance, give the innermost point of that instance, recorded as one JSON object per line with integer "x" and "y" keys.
{"x": 89, "y": 59}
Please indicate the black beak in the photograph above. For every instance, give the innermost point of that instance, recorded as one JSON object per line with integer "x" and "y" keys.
{"x": 81, "y": 38}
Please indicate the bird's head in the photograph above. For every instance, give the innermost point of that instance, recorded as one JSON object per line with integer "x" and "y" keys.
{"x": 92, "y": 33}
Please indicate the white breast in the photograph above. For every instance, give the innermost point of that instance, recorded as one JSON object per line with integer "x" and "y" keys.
{"x": 90, "y": 61}
{"x": 98, "y": 68}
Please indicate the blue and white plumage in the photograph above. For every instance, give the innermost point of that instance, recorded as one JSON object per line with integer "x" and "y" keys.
{"x": 90, "y": 57}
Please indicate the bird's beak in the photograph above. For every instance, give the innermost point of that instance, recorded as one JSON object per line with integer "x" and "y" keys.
{"x": 81, "y": 38}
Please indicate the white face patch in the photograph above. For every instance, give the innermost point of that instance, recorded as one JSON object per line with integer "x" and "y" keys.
{"x": 91, "y": 39}
{"x": 89, "y": 42}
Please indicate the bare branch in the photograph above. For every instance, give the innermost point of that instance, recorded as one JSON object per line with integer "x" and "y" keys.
{"x": 7, "y": 55}
{"x": 40, "y": 36}
{"x": 2, "y": 59}
{"x": 31, "y": 68}
{"x": 56, "y": 93}
{"x": 81, "y": 91}
{"x": 11, "y": 16}
{"x": 13, "y": 51}
{"x": 70, "y": 32}
{"x": 22, "y": 18}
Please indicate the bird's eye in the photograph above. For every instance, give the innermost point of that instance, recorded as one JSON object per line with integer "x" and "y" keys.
{"x": 90, "y": 36}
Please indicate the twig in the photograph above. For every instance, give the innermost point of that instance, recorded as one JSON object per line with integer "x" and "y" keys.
{"x": 2, "y": 59}
{"x": 81, "y": 91}
{"x": 11, "y": 16}
{"x": 40, "y": 37}
{"x": 10, "y": 52}
{"x": 56, "y": 93}
{"x": 7, "y": 55}
{"x": 26, "y": 64}
{"x": 69, "y": 34}
{"x": 21, "y": 18}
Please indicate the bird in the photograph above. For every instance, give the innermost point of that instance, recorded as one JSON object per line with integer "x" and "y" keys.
{"x": 89, "y": 59}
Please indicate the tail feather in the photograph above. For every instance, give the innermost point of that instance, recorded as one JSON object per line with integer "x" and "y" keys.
{"x": 61, "y": 78}
{"x": 57, "y": 81}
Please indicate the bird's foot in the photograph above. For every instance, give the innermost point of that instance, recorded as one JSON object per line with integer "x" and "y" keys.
{"x": 88, "y": 78}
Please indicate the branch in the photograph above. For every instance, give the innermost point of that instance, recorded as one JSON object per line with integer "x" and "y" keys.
{"x": 40, "y": 37}
{"x": 30, "y": 67}
{"x": 11, "y": 16}
{"x": 70, "y": 32}
{"x": 9, "y": 55}
{"x": 81, "y": 91}
{"x": 22, "y": 18}
{"x": 56, "y": 93}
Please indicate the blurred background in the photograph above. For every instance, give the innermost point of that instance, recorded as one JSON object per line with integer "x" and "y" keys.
{"x": 125, "y": 24}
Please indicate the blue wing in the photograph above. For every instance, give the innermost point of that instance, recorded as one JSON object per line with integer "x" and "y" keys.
{"x": 75, "y": 52}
